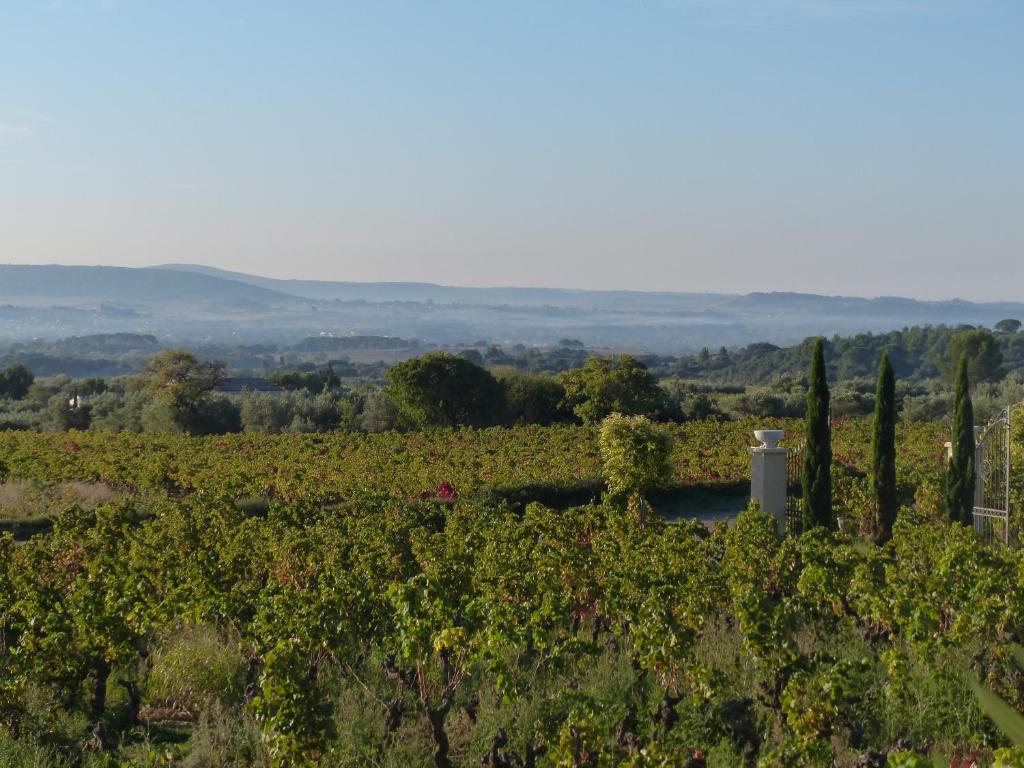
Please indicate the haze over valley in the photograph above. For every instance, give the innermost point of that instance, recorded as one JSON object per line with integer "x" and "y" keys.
{"x": 191, "y": 304}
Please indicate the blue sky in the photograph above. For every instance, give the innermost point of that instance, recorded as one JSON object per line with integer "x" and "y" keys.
{"x": 859, "y": 147}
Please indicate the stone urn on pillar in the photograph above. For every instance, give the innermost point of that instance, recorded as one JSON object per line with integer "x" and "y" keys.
{"x": 768, "y": 470}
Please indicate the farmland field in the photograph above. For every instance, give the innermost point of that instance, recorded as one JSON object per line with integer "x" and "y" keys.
{"x": 462, "y": 595}
{"x": 337, "y": 465}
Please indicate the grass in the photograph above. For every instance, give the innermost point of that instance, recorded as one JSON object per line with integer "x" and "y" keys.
{"x": 193, "y": 667}
{"x": 28, "y": 507}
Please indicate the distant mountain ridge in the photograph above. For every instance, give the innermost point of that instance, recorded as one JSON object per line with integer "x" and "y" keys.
{"x": 90, "y": 284}
{"x": 183, "y": 303}
{"x": 332, "y": 290}
{"x": 411, "y": 291}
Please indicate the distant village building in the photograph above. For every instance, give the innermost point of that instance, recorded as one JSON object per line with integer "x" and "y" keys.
{"x": 238, "y": 385}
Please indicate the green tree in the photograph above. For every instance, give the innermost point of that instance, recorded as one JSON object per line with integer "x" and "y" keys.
{"x": 15, "y": 381}
{"x": 442, "y": 390}
{"x": 982, "y": 351}
{"x": 64, "y": 413}
{"x": 261, "y": 412}
{"x": 1009, "y": 325}
{"x": 635, "y": 455}
{"x": 177, "y": 378}
{"x": 533, "y": 399}
{"x": 960, "y": 472}
{"x": 378, "y": 413}
{"x": 605, "y": 386}
{"x": 311, "y": 381}
{"x": 817, "y": 471}
{"x": 883, "y": 451}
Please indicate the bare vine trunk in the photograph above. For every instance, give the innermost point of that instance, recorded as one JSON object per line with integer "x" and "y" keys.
{"x": 436, "y": 718}
{"x": 99, "y": 698}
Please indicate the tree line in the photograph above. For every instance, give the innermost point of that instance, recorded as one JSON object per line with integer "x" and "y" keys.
{"x": 176, "y": 391}
{"x": 817, "y": 468}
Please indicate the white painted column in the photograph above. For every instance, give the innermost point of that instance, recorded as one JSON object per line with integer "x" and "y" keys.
{"x": 769, "y": 466}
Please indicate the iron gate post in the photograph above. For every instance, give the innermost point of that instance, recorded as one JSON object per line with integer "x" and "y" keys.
{"x": 979, "y": 468}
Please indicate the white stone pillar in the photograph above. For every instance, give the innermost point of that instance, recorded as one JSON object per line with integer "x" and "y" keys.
{"x": 769, "y": 466}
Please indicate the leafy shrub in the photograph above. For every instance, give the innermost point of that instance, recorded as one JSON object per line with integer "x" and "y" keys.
{"x": 635, "y": 454}
{"x": 930, "y": 407}
{"x": 767, "y": 404}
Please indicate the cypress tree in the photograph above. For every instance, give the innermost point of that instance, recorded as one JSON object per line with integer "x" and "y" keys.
{"x": 883, "y": 449}
{"x": 960, "y": 473}
{"x": 817, "y": 471}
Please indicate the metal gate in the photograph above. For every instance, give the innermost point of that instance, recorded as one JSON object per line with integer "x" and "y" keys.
{"x": 992, "y": 481}
{"x": 795, "y": 490}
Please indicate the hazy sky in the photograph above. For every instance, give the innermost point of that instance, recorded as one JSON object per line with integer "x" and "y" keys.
{"x": 839, "y": 146}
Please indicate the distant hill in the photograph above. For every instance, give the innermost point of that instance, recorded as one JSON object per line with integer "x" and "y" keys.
{"x": 182, "y": 303}
{"x": 31, "y": 284}
{"x": 909, "y": 310}
{"x": 328, "y": 290}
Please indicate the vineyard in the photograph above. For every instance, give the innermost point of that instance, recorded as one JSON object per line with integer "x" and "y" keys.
{"x": 335, "y": 466}
{"x": 447, "y": 599}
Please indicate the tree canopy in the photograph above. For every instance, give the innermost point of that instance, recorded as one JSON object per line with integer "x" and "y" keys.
{"x": 635, "y": 455}
{"x": 179, "y": 379}
{"x": 15, "y": 381}
{"x": 960, "y": 477}
{"x": 442, "y": 390}
{"x": 883, "y": 445}
{"x": 982, "y": 352}
{"x": 817, "y": 470}
{"x": 611, "y": 385}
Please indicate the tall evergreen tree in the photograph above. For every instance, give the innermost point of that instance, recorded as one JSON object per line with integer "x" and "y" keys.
{"x": 883, "y": 449}
{"x": 960, "y": 474}
{"x": 817, "y": 477}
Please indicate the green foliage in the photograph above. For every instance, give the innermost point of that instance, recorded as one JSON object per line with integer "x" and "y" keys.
{"x": 442, "y": 390}
{"x": 63, "y": 414}
{"x": 883, "y": 450}
{"x": 292, "y": 708}
{"x": 817, "y": 699}
{"x": 559, "y": 460}
{"x": 1009, "y": 325}
{"x": 576, "y": 633}
{"x": 635, "y": 455}
{"x": 209, "y": 416}
{"x": 1009, "y": 721}
{"x": 960, "y": 473}
{"x": 291, "y": 412}
{"x": 982, "y": 352}
{"x": 193, "y": 666}
{"x": 15, "y": 381}
{"x": 344, "y": 620}
{"x": 313, "y": 382}
{"x": 533, "y": 399}
{"x": 817, "y": 469}
{"x": 82, "y": 610}
{"x": 907, "y": 759}
{"x": 611, "y": 385}
{"x": 177, "y": 378}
